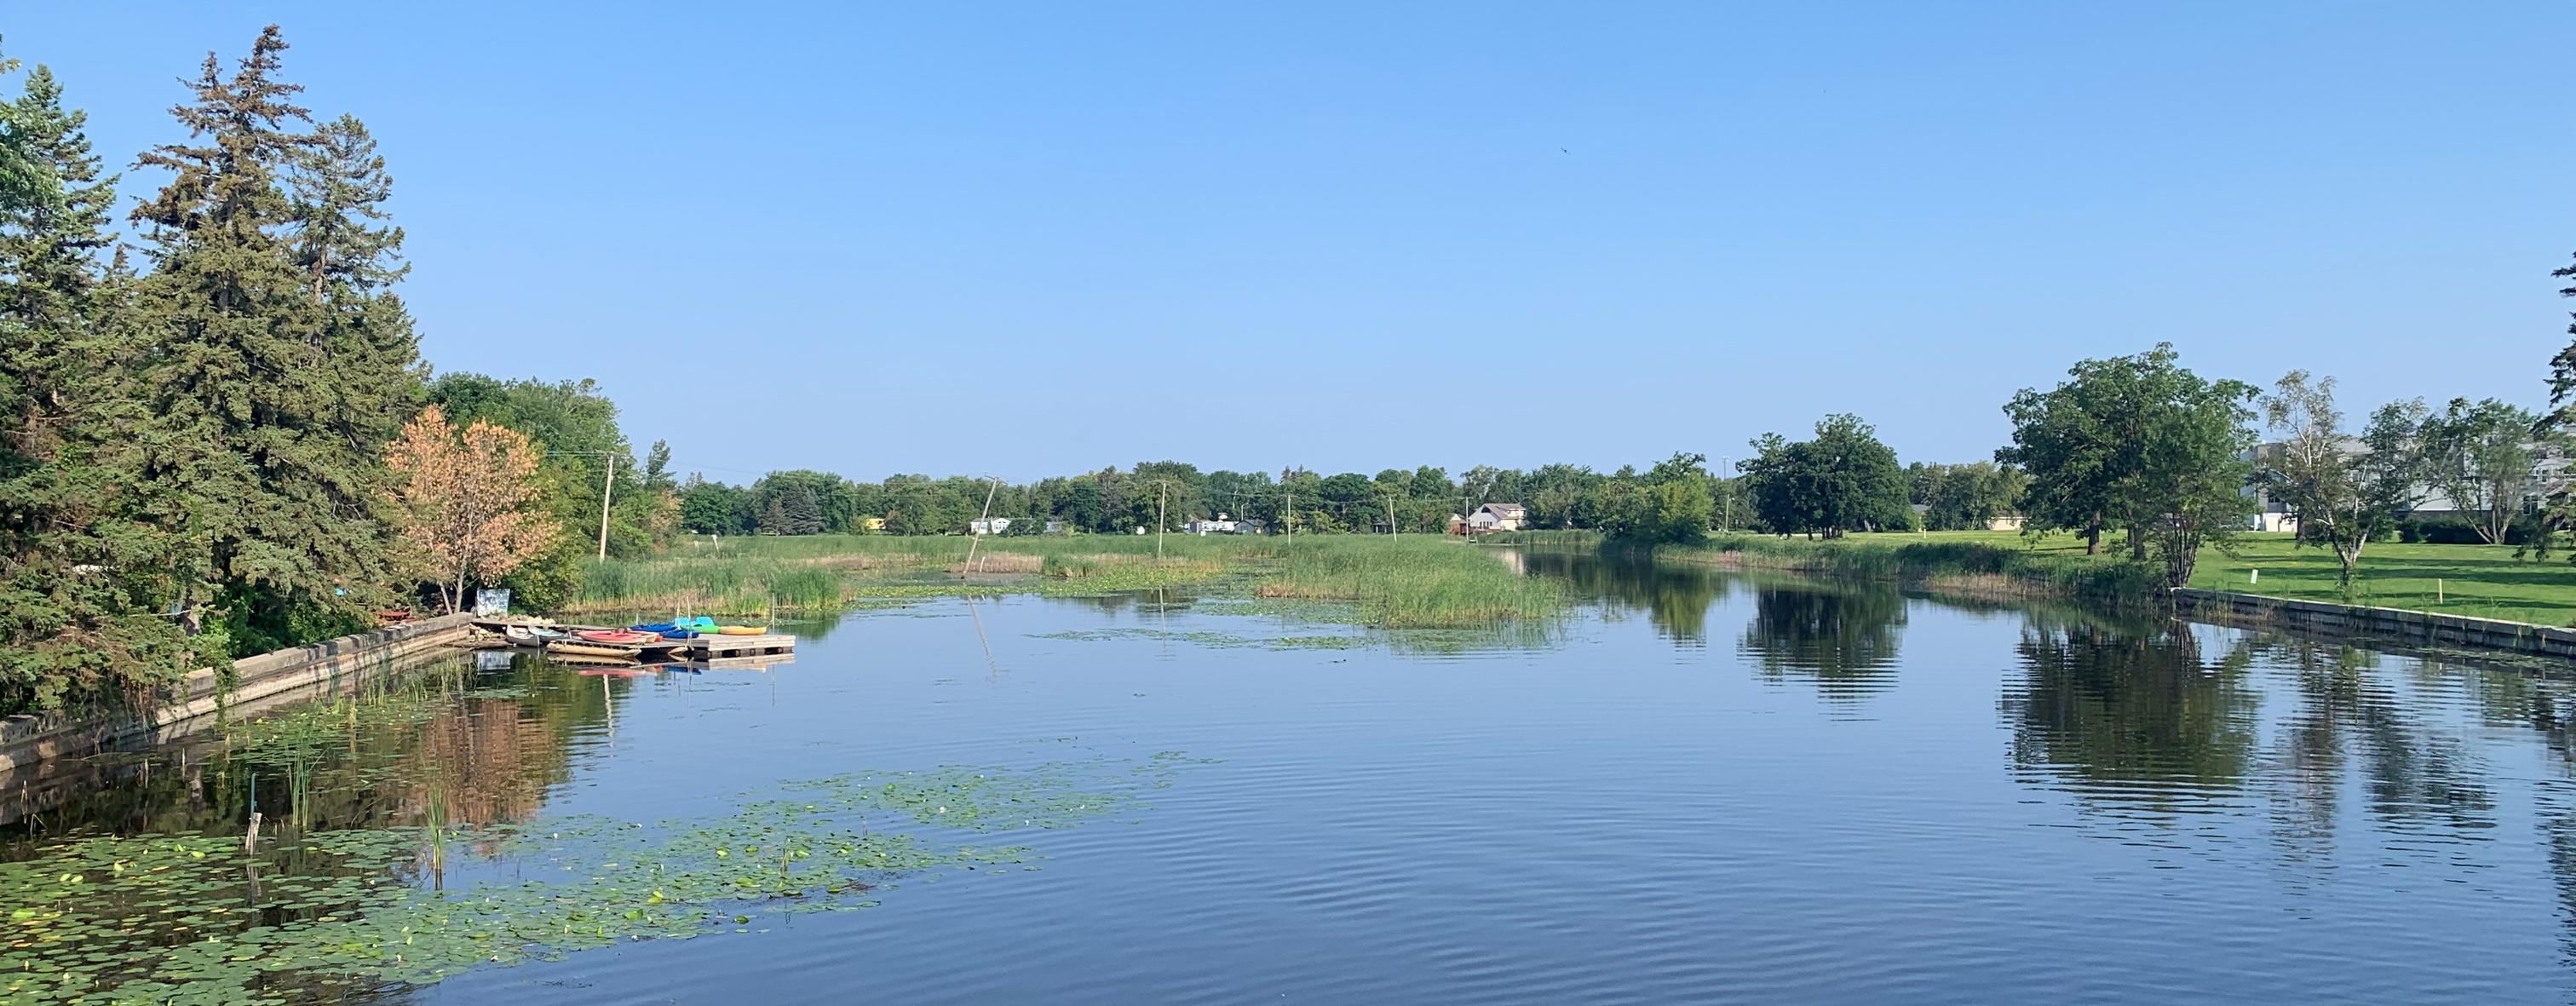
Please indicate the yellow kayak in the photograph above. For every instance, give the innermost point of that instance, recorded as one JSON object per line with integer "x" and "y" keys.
{"x": 742, "y": 630}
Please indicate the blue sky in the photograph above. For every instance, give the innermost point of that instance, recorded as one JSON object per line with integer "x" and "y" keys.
{"x": 1045, "y": 238}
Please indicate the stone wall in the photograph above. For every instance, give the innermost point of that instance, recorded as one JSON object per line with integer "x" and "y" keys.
{"x": 28, "y": 739}
{"x": 2414, "y": 627}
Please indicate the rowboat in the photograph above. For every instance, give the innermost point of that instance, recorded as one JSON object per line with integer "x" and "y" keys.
{"x": 531, "y": 635}
{"x": 618, "y": 637}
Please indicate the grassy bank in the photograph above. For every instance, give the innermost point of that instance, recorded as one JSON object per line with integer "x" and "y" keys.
{"x": 2481, "y": 581}
{"x": 1393, "y": 582}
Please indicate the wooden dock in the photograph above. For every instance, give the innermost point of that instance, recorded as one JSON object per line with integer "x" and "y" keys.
{"x": 703, "y": 646}
{"x": 713, "y": 646}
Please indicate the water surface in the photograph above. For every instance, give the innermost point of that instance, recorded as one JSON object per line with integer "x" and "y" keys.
{"x": 1700, "y": 787}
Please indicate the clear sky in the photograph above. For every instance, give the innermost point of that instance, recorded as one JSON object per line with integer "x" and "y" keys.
{"x": 1026, "y": 239}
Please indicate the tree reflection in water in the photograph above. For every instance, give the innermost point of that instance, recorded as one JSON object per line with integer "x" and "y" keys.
{"x": 1675, "y": 599}
{"x": 2101, "y": 703}
{"x": 1842, "y": 639}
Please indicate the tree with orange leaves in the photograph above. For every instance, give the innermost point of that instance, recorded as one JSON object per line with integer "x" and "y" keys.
{"x": 469, "y": 500}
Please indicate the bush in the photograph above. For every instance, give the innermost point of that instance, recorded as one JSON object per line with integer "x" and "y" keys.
{"x": 2458, "y": 531}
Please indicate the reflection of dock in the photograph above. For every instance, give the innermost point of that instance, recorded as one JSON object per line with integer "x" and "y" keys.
{"x": 753, "y": 662}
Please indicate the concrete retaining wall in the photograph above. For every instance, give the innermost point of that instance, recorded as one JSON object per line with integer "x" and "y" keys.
{"x": 26, "y": 740}
{"x": 2416, "y": 627}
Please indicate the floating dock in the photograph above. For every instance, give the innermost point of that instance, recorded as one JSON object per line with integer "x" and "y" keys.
{"x": 700, "y": 647}
{"x": 710, "y": 646}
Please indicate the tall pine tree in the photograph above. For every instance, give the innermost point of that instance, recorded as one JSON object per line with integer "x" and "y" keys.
{"x": 255, "y": 450}
{"x": 79, "y": 580}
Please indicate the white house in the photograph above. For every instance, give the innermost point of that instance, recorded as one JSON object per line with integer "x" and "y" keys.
{"x": 1497, "y": 517}
{"x": 1221, "y": 524}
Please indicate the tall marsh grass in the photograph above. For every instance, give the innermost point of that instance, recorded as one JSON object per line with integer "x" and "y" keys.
{"x": 1412, "y": 583}
{"x": 1396, "y": 582}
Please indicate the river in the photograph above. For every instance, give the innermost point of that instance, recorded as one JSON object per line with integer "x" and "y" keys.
{"x": 1699, "y": 787}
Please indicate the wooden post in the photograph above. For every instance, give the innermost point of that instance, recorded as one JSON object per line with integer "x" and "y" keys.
{"x": 1162, "y": 498}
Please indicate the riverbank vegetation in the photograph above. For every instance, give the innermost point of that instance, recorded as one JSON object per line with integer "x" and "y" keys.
{"x": 200, "y": 401}
{"x": 1388, "y": 581}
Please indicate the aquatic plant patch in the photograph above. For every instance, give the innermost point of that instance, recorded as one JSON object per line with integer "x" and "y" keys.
{"x": 197, "y": 919}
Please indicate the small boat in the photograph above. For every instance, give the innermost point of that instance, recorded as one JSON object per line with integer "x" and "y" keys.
{"x": 618, "y": 637}
{"x": 575, "y": 651}
{"x": 531, "y": 635}
{"x": 666, "y": 630}
{"x": 741, "y": 630}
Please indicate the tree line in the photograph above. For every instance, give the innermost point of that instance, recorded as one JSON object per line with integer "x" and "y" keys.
{"x": 216, "y": 433}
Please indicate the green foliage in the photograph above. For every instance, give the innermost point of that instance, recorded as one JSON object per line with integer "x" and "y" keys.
{"x": 2135, "y": 442}
{"x": 80, "y": 576}
{"x": 2341, "y": 497}
{"x": 1968, "y": 497}
{"x": 1670, "y": 503}
{"x": 1843, "y": 480}
{"x": 2481, "y": 456}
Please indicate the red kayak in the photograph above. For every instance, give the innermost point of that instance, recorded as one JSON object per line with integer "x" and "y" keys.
{"x": 618, "y": 637}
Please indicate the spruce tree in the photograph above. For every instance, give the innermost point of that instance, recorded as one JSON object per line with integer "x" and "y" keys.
{"x": 352, "y": 258}
{"x": 78, "y": 579}
{"x": 254, "y": 449}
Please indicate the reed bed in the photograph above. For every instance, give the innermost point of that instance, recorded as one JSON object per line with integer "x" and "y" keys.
{"x": 1413, "y": 584}
{"x": 1394, "y": 582}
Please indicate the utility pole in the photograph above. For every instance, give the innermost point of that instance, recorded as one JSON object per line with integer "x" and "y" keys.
{"x": 1163, "y": 497}
{"x": 607, "y": 477}
{"x": 1391, "y": 528}
{"x": 1289, "y": 518}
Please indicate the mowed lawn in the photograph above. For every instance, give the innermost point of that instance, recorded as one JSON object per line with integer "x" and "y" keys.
{"x": 2478, "y": 580}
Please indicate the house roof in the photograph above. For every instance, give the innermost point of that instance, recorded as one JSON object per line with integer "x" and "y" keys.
{"x": 1504, "y": 509}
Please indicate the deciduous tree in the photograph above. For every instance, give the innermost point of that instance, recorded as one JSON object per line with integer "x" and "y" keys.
{"x": 2482, "y": 456}
{"x": 471, "y": 502}
{"x": 2341, "y": 491}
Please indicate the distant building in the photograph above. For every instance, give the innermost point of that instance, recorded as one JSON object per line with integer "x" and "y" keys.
{"x": 1249, "y": 525}
{"x": 988, "y": 525}
{"x": 1497, "y": 517}
{"x": 2550, "y": 472}
{"x": 1220, "y": 524}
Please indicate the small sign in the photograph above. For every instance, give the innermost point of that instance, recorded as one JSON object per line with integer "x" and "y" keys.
{"x": 491, "y": 601}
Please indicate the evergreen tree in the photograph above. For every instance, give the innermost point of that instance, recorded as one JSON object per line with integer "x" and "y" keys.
{"x": 800, "y": 512}
{"x": 254, "y": 449}
{"x": 351, "y": 258}
{"x": 77, "y": 579}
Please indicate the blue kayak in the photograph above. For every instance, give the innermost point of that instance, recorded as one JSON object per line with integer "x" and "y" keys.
{"x": 666, "y": 630}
